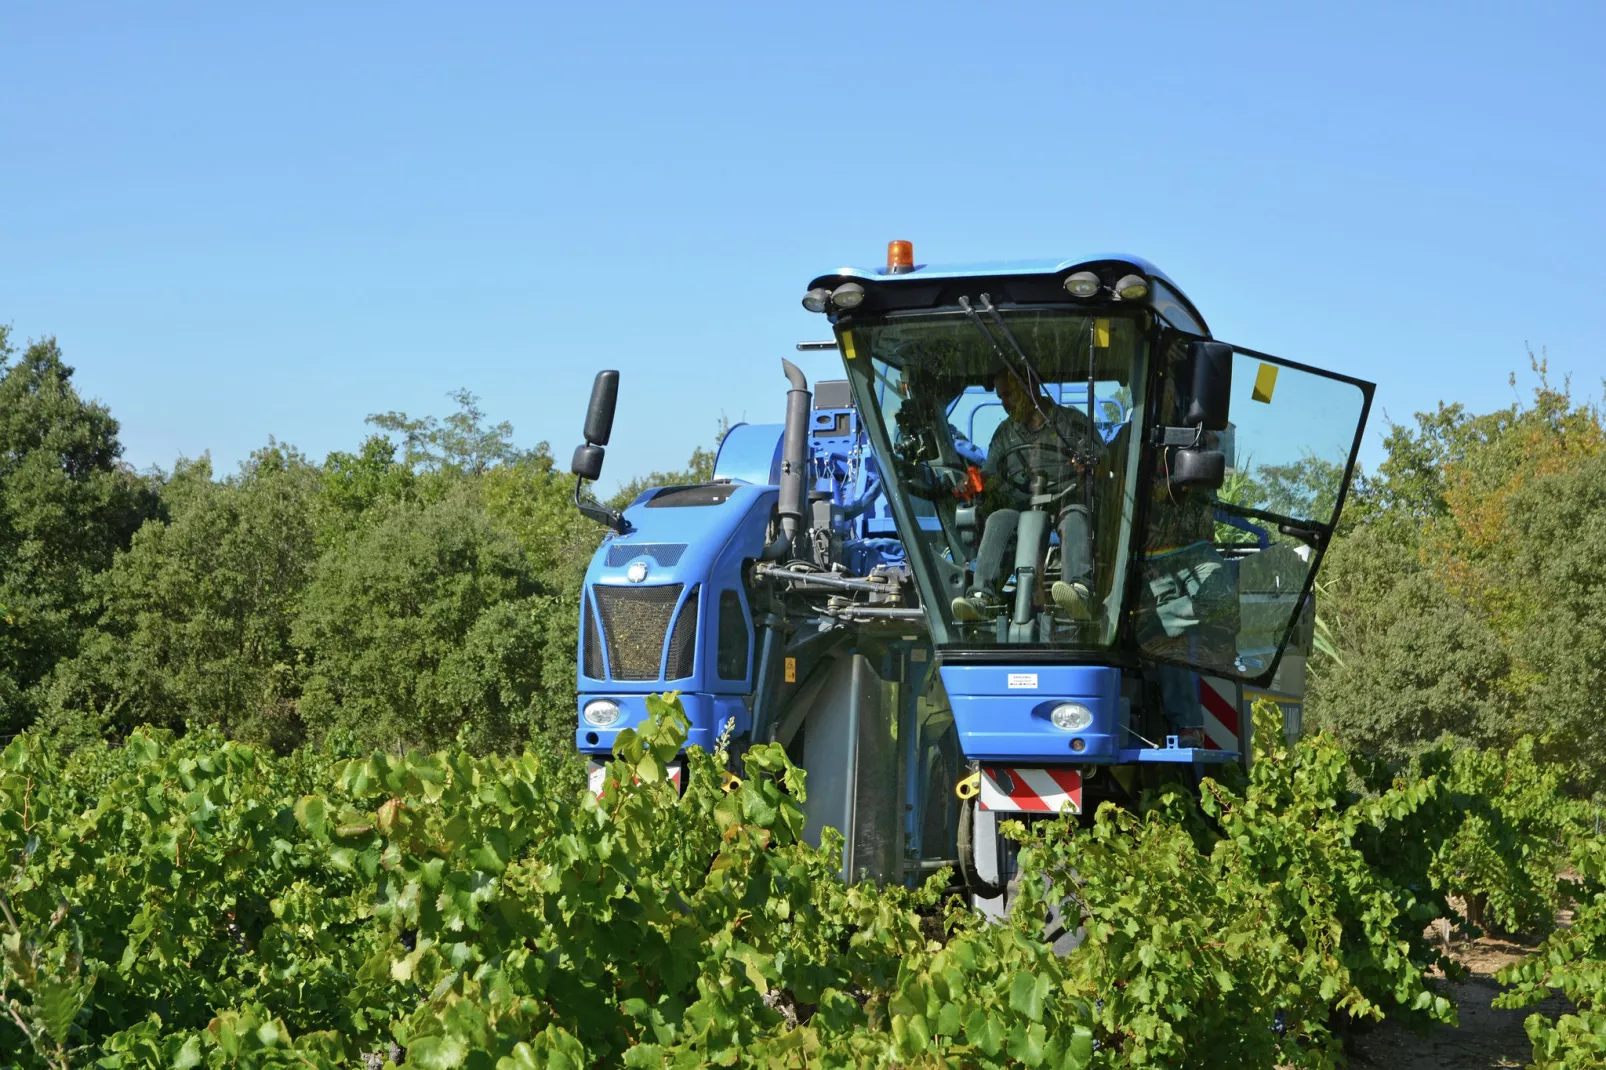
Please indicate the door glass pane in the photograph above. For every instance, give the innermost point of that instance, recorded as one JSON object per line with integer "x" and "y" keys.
{"x": 1224, "y": 571}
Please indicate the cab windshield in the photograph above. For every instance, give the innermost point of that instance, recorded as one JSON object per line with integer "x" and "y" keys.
{"x": 1008, "y": 447}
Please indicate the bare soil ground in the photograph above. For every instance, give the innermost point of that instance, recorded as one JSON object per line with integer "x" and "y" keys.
{"x": 1487, "y": 1036}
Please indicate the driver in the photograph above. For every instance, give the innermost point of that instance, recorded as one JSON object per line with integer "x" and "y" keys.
{"x": 1036, "y": 440}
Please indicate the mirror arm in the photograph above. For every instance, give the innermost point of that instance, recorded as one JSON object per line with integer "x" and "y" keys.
{"x": 1186, "y": 437}
{"x": 600, "y": 513}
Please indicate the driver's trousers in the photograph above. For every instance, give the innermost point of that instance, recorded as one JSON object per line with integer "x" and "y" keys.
{"x": 1076, "y": 547}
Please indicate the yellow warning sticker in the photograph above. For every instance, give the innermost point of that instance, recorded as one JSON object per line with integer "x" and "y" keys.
{"x": 791, "y": 670}
{"x": 847, "y": 345}
{"x": 1265, "y": 383}
{"x": 1101, "y": 334}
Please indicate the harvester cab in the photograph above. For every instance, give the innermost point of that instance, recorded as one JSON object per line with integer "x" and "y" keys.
{"x": 1042, "y": 546}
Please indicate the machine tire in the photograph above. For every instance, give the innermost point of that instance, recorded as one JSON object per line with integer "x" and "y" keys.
{"x": 974, "y": 881}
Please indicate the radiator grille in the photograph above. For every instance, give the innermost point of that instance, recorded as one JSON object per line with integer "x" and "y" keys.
{"x": 665, "y": 553}
{"x": 635, "y": 621}
{"x": 683, "y": 643}
{"x": 593, "y": 646}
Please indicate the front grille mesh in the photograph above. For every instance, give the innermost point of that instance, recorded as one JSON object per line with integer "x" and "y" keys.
{"x": 635, "y": 621}
{"x": 666, "y": 554}
{"x": 683, "y": 643}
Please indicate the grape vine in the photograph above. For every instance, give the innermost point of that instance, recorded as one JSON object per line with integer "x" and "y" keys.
{"x": 187, "y": 902}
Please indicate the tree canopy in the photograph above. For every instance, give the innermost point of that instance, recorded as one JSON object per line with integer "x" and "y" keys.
{"x": 1467, "y": 593}
{"x": 422, "y": 587}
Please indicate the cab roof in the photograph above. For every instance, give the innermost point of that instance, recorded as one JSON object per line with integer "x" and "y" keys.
{"x": 1037, "y": 279}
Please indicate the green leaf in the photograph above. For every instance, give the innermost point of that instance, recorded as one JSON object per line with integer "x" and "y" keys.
{"x": 436, "y": 1053}
{"x": 15, "y": 757}
{"x": 983, "y": 1030}
{"x": 59, "y": 1002}
{"x": 312, "y": 813}
{"x": 1026, "y": 1043}
{"x": 649, "y": 770}
{"x": 1026, "y": 994}
{"x": 189, "y": 1056}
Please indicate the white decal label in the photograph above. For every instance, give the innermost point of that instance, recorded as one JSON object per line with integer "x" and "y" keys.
{"x": 1023, "y": 681}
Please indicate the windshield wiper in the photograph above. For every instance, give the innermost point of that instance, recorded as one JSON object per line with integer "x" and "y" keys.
{"x": 1023, "y": 371}
{"x": 1313, "y": 532}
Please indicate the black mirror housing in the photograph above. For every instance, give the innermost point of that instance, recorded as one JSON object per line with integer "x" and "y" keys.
{"x": 1199, "y": 468}
{"x": 599, "y": 413}
{"x": 587, "y": 462}
{"x": 1212, "y": 385}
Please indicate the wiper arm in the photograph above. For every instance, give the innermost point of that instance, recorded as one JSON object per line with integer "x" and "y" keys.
{"x": 1313, "y": 532}
{"x": 1022, "y": 371}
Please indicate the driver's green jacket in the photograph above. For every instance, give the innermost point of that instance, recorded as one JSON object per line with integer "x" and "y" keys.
{"x": 1017, "y": 453}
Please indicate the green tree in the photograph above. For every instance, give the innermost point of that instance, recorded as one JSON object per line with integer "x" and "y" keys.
{"x": 198, "y": 612}
{"x": 1414, "y": 661}
{"x": 67, "y": 505}
{"x": 1546, "y": 591}
{"x": 462, "y": 443}
{"x": 533, "y": 500}
{"x": 423, "y": 623}
{"x": 1464, "y": 598}
{"x": 354, "y": 484}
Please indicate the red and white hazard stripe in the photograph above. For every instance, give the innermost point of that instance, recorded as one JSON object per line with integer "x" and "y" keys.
{"x": 1220, "y": 701}
{"x": 1034, "y": 791}
{"x": 597, "y": 776}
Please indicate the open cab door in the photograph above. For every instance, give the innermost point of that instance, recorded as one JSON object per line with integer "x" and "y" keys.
{"x": 1247, "y": 465}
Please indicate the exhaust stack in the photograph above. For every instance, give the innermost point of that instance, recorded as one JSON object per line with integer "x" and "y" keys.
{"x": 793, "y": 505}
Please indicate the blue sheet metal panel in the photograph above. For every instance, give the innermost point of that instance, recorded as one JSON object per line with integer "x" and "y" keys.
{"x": 1002, "y": 711}
{"x": 715, "y": 540}
{"x": 708, "y": 714}
{"x": 999, "y": 268}
{"x": 750, "y": 453}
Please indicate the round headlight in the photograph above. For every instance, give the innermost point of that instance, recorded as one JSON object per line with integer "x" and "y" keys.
{"x": 1071, "y": 716}
{"x": 1082, "y": 284}
{"x": 816, "y": 299}
{"x": 848, "y": 295}
{"x": 1132, "y": 287}
{"x": 601, "y": 713}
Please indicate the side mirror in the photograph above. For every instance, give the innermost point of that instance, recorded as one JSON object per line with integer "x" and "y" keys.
{"x": 587, "y": 463}
{"x": 1212, "y": 386}
{"x": 599, "y": 414}
{"x": 1199, "y": 468}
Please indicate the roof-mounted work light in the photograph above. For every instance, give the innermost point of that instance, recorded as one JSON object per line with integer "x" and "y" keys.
{"x": 848, "y": 295}
{"x": 1082, "y": 284}
{"x": 816, "y": 299}
{"x": 1132, "y": 287}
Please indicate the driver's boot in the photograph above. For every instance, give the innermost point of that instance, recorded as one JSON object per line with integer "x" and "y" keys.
{"x": 975, "y": 606}
{"x": 1074, "y": 598}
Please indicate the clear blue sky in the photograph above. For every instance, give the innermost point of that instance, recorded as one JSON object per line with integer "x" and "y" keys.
{"x": 254, "y": 220}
